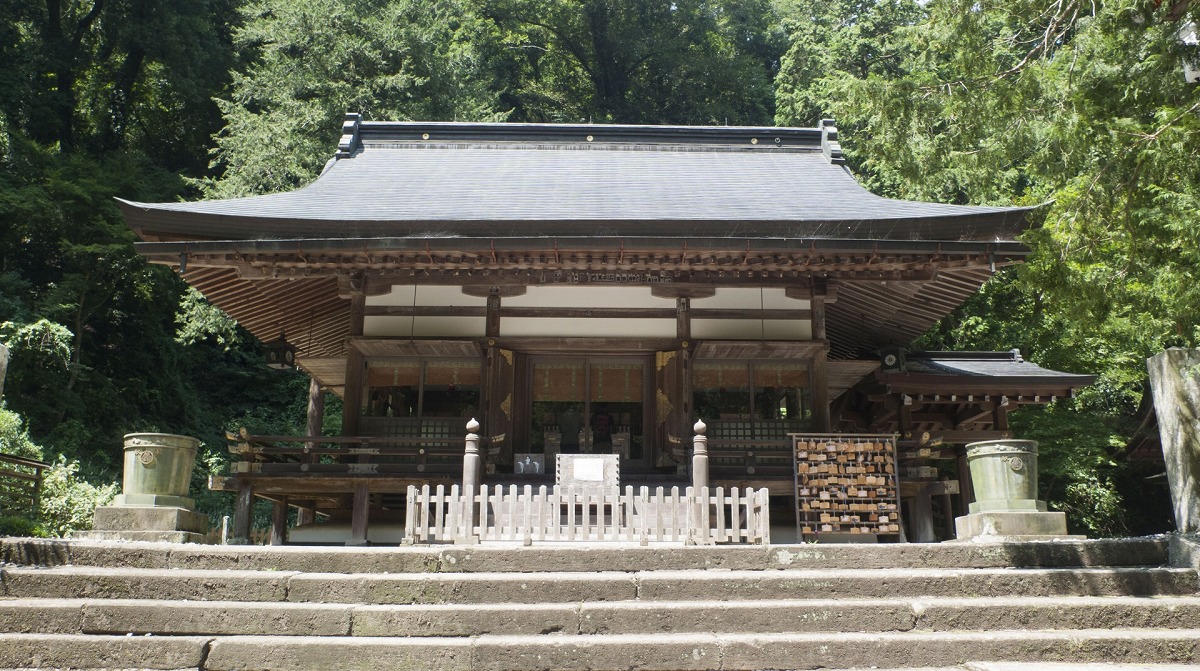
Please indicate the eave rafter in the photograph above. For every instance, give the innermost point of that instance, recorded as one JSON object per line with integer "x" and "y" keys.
{"x": 707, "y": 267}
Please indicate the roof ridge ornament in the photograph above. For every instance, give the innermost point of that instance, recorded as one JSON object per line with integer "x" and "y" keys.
{"x": 829, "y": 142}
{"x": 349, "y": 142}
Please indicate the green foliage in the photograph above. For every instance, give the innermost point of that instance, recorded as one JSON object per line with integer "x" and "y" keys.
{"x": 314, "y": 61}
{"x": 198, "y": 320}
{"x": 1080, "y": 107}
{"x": 704, "y": 62}
{"x": 68, "y": 501}
{"x": 43, "y": 338}
{"x": 1081, "y": 475}
{"x": 14, "y": 439}
{"x": 21, "y": 527}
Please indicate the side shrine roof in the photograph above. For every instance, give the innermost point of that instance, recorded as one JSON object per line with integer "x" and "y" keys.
{"x": 423, "y": 180}
{"x": 953, "y": 397}
{"x": 979, "y": 372}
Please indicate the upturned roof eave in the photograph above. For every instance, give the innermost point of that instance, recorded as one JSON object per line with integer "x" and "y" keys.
{"x": 995, "y": 229}
{"x": 629, "y": 243}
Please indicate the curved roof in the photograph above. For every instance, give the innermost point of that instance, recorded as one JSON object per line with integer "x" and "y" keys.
{"x": 455, "y": 197}
{"x": 532, "y": 180}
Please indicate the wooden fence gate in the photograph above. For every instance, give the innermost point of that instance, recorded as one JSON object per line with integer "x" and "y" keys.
{"x": 586, "y": 514}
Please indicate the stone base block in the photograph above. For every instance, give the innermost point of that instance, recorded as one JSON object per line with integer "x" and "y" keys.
{"x": 147, "y": 536}
{"x": 155, "y": 500}
{"x": 1023, "y": 525}
{"x": 149, "y": 518}
{"x": 1007, "y": 505}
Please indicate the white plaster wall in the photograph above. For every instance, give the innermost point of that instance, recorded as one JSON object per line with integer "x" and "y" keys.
{"x": 751, "y": 297}
{"x": 588, "y": 297}
{"x": 402, "y": 295}
{"x": 588, "y": 328}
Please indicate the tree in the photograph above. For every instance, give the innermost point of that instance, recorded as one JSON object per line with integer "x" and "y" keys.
{"x": 312, "y": 62}
{"x": 702, "y": 62}
{"x": 1082, "y": 107}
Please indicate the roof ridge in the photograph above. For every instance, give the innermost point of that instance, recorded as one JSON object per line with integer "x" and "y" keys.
{"x": 356, "y": 132}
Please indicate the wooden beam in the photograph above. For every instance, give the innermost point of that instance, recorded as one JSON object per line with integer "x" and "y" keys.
{"x": 971, "y": 415}
{"x": 504, "y": 291}
{"x": 548, "y": 345}
{"x": 672, "y": 291}
{"x": 579, "y": 313}
{"x": 1000, "y": 417}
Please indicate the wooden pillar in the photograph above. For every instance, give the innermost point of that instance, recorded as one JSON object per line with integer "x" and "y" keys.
{"x": 904, "y": 417}
{"x": 313, "y": 426}
{"x": 821, "y": 419}
{"x": 352, "y": 408}
{"x": 315, "y": 421}
{"x": 242, "y": 508}
{"x": 966, "y": 490}
{"x": 360, "y": 514}
{"x": 817, "y": 307}
{"x": 683, "y": 318}
{"x": 948, "y": 517}
{"x": 279, "y": 522}
{"x": 922, "y": 517}
{"x": 1000, "y": 415}
{"x": 492, "y": 321}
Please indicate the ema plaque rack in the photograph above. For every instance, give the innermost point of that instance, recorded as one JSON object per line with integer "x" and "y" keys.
{"x": 846, "y": 486}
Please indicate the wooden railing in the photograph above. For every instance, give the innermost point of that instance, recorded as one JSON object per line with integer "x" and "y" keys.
{"x": 20, "y": 484}
{"x": 593, "y": 514}
{"x": 761, "y": 457}
{"x": 351, "y": 455}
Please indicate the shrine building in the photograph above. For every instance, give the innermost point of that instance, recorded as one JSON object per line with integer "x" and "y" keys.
{"x": 599, "y": 288}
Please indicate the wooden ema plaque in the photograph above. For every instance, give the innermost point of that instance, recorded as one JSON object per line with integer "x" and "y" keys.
{"x": 846, "y": 485}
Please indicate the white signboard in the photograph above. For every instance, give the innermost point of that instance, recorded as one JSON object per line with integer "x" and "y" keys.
{"x": 589, "y": 469}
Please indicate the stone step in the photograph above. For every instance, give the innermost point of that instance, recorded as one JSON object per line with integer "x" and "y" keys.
{"x": 223, "y": 618}
{"x": 569, "y": 587}
{"x": 1149, "y": 551}
{"x": 665, "y": 652}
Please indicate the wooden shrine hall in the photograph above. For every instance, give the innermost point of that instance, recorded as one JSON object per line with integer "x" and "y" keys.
{"x": 597, "y": 289}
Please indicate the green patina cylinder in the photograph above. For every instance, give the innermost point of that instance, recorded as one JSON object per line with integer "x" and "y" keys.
{"x": 1004, "y": 474}
{"x": 158, "y": 464}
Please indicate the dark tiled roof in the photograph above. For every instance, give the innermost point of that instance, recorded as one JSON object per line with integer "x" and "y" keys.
{"x": 512, "y": 180}
{"x": 994, "y": 366}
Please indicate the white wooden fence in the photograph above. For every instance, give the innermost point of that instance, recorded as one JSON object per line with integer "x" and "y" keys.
{"x": 590, "y": 514}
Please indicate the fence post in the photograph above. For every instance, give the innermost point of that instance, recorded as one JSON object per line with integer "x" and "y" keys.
{"x": 700, "y": 456}
{"x": 470, "y": 479}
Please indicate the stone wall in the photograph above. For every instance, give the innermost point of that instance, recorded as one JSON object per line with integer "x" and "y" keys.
{"x": 3, "y": 367}
{"x": 1175, "y": 382}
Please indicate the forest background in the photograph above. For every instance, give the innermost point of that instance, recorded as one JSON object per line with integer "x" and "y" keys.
{"x": 1081, "y": 106}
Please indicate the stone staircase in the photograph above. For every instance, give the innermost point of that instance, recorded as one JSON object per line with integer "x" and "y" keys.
{"x": 994, "y": 607}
